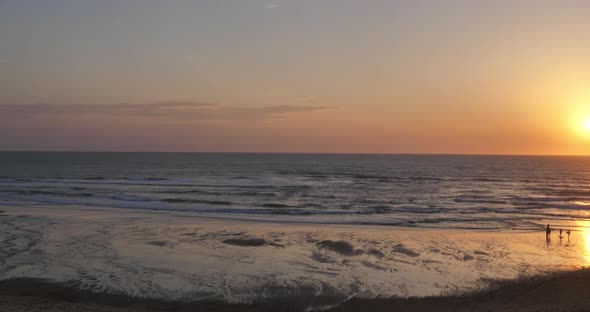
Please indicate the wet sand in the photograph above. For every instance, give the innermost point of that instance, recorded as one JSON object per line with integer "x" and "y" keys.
{"x": 564, "y": 291}
{"x": 77, "y": 259}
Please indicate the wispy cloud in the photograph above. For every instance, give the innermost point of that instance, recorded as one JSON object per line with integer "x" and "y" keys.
{"x": 264, "y": 112}
{"x": 100, "y": 109}
{"x": 158, "y": 110}
{"x": 271, "y": 6}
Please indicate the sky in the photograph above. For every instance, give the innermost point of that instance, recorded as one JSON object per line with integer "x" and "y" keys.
{"x": 306, "y": 76}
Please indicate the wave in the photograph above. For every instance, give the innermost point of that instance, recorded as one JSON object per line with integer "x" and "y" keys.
{"x": 191, "y": 191}
{"x": 276, "y": 205}
{"x": 448, "y": 217}
{"x": 357, "y": 176}
{"x": 483, "y": 179}
{"x": 479, "y": 201}
{"x": 199, "y": 201}
{"x": 225, "y": 192}
{"x": 93, "y": 178}
{"x": 136, "y": 202}
{"x": 570, "y": 192}
{"x": 130, "y": 198}
{"x": 256, "y": 194}
{"x": 158, "y": 182}
{"x": 46, "y": 192}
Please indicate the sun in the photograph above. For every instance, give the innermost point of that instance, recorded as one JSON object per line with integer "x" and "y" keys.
{"x": 587, "y": 124}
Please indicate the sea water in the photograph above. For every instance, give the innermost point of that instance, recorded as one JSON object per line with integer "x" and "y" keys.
{"x": 480, "y": 192}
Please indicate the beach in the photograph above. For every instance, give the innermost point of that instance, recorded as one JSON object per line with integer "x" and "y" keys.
{"x": 170, "y": 257}
{"x": 564, "y": 291}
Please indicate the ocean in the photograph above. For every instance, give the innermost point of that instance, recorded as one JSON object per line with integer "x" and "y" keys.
{"x": 434, "y": 191}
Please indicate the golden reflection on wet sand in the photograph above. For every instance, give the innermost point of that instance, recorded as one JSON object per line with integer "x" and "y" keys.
{"x": 584, "y": 235}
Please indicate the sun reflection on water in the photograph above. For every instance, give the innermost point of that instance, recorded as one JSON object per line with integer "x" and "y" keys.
{"x": 584, "y": 233}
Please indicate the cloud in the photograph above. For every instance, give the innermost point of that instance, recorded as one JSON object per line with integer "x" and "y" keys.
{"x": 177, "y": 104}
{"x": 4, "y": 61}
{"x": 159, "y": 110}
{"x": 265, "y": 112}
{"x": 149, "y": 109}
{"x": 271, "y": 6}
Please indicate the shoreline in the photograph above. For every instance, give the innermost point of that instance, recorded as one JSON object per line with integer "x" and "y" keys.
{"x": 31, "y": 209}
{"x": 557, "y": 291}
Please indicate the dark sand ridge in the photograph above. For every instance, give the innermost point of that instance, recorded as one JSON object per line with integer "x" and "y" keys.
{"x": 564, "y": 291}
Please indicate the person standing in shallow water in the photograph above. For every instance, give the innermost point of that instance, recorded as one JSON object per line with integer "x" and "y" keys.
{"x": 548, "y": 231}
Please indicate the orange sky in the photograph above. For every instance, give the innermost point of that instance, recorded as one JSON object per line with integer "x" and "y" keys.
{"x": 508, "y": 77}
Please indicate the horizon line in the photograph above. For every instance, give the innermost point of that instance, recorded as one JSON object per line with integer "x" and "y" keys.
{"x": 293, "y": 153}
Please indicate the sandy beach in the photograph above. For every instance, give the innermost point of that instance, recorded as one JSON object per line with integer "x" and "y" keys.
{"x": 565, "y": 291}
{"x": 105, "y": 259}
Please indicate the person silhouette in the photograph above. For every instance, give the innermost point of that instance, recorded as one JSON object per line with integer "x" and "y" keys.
{"x": 548, "y": 231}
{"x": 560, "y": 231}
{"x": 568, "y": 235}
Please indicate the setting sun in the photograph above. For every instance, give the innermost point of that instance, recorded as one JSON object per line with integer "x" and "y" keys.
{"x": 587, "y": 124}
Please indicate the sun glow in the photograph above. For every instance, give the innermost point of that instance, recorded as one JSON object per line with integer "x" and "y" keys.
{"x": 579, "y": 119}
